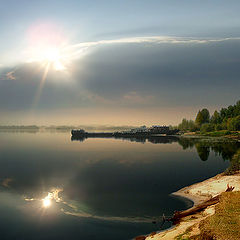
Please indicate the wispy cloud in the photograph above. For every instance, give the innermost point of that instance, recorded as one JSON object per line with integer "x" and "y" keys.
{"x": 78, "y": 49}
{"x": 135, "y": 98}
{"x": 8, "y": 76}
{"x": 126, "y": 99}
{"x": 6, "y": 182}
{"x": 75, "y": 51}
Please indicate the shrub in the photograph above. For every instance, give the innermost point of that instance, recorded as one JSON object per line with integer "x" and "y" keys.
{"x": 207, "y": 127}
{"x": 233, "y": 124}
{"x": 218, "y": 127}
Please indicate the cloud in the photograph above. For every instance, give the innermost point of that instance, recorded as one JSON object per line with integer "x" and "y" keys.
{"x": 135, "y": 98}
{"x": 78, "y": 49}
{"x": 168, "y": 72}
{"x": 8, "y": 76}
{"x": 6, "y": 182}
{"x": 72, "y": 52}
{"x": 132, "y": 74}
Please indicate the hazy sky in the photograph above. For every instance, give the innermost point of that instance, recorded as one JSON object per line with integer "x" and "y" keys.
{"x": 117, "y": 62}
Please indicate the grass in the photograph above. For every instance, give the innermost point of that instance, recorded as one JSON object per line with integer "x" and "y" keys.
{"x": 182, "y": 237}
{"x": 218, "y": 133}
{"x": 235, "y": 135}
{"x": 225, "y": 223}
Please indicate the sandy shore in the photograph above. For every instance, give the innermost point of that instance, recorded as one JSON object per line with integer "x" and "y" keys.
{"x": 198, "y": 193}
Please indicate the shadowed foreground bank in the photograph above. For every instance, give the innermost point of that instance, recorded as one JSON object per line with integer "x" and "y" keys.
{"x": 216, "y": 222}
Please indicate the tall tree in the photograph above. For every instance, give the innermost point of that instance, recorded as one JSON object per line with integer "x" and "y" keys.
{"x": 199, "y": 119}
{"x": 206, "y": 115}
{"x": 203, "y": 116}
{"x": 215, "y": 117}
{"x": 187, "y": 125}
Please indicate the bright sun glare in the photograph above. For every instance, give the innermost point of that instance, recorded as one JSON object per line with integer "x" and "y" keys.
{"x": 48, "y": 55}
{"x": 46, "y": 202}
{"x": 51, "y": 197}
{"x": 52, "y": 55}
{"x": 46, "y": 43}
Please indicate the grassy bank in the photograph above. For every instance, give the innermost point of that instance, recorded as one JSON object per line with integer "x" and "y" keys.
{"x": 225, "y": 223}
{"x": 235, "y": 135}
{"x": 223, "y": 133}
{"x": 234, "y": 164}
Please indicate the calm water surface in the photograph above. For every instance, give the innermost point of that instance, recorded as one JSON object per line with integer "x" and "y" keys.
{"x": 55, "y": 188}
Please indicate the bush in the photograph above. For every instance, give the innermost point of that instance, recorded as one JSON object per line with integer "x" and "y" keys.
{"x": 233, "y": 124}
{"x": 207, "y": 127}
{"x": 234, "y": 164}
{"x": 218, "y": 127}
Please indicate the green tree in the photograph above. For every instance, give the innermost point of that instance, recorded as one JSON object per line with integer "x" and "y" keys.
{"x": 199, "y": 119}
{"x": 187, "y": 125}
{"x": 233, "y": 124}
{"x": 207, "y": 127}
{"x": 206, "y": 115}
{"x": 237, "y": 109}
{"x": 215, "y": 119}
{"x": 225, "y": 119}
{"x": 203, "y": 116}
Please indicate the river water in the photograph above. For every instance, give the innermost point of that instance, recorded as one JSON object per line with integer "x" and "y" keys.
{"x": 54, "y": 188}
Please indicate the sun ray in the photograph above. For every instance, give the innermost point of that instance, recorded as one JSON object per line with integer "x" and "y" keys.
{"x": 39, "y": 90}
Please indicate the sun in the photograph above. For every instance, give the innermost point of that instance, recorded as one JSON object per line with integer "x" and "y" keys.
{"x": 46, "y": 44}
{"x": 48, "y": 55}
{"x": 52, "y": 55}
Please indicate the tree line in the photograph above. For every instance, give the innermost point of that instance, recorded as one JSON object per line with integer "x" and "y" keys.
{"x": 225, "y": 119}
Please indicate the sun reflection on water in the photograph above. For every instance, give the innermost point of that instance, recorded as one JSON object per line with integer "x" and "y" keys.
{"x": 76, "y": 209}
{"x": 46, "y": 202}
{"x": 51, "y": 197}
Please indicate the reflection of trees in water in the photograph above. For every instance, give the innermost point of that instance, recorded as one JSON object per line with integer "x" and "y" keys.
{"x": 225, "y": 149}
{"x": 163, "y": 139}
{"x": 151, "y": 139}
{"x": 203, "y": 151}
{"x": 186, "y": 143}
{"x": 16, "y": 130}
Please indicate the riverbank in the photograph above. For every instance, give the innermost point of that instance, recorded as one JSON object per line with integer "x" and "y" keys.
{"x": 229, "y": 135}
{"x": 198, "y": 193}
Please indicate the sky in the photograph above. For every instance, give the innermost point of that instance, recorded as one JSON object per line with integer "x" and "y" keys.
{"x": 117, "y": 62}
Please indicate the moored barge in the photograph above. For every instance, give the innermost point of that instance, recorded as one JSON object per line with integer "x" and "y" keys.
{"x": 143, "y": 132}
